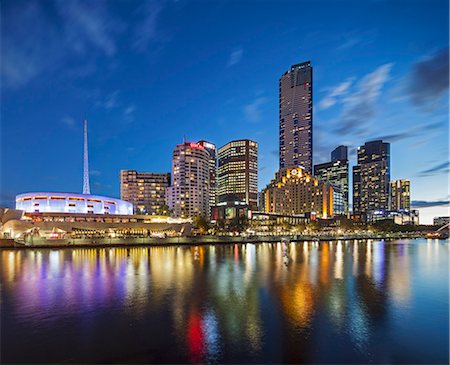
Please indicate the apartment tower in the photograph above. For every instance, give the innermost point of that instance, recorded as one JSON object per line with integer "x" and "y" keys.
{"x": 145, "y": 190}
{"x": 189, "y": 194}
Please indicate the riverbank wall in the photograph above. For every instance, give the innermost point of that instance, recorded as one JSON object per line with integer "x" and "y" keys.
{"x": 38, "y": 242}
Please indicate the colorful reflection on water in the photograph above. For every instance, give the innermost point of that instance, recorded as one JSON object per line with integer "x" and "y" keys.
{"x": 309, "y": 302}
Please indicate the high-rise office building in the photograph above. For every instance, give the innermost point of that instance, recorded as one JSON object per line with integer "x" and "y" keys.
{"x": 296, "y": 113}
{"x": 336, "y": 173}
{"x": 189, "y": 194}
{"x": 371, "y": 177}
{"x": 238, "y": 172}
{"x": 295, "y": 191}
{"x": 145, "y": 190}
{"x": 211, "y": 148}
{"x": 339, "y": 153}
{"x": 400, "y": 195}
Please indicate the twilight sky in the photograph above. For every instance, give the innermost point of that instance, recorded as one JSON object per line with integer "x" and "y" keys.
{"x": 148, "y": 73}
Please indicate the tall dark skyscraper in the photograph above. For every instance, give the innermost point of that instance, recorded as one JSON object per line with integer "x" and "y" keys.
{"x": 336, "y": 173}
{"x": 371, "y": 177}
{"x": 296, "y": 129}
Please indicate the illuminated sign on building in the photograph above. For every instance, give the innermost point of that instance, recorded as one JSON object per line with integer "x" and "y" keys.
{"x": 195, "y": 145}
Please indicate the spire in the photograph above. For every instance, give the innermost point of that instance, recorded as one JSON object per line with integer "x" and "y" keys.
{"x": 86, "y": 188}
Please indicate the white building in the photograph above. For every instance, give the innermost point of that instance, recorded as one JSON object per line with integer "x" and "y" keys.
{"x": 189, "y": 194}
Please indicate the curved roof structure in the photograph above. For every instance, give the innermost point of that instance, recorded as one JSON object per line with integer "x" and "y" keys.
{"x": 53, "y": 202}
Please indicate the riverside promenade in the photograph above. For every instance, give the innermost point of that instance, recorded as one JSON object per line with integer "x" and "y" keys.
{"x": 39, "y": 242}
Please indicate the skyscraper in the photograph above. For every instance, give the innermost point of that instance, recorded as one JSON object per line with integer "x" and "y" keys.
{"x": 371, "y": 177}
{"x": 189, "y": 194}
{"x": 238, "y": 172}
{"x": 296, "y": 113}
{"x": 400, "y": 195}
{"x": 211, "y": 148}
{"x": 336, "y": 173}
{"x": 145, "y": 190}
{"x": 339, "y": 153}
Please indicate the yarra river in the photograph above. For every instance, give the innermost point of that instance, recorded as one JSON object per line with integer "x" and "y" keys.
{"x": 310, "y": 302}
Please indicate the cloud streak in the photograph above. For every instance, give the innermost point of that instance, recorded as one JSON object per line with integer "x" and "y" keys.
{"x": 146, "y": 30}
{"x": 437, "y": 169}
{"x": 425, "y": 204}
{"x": 428, "y": 79}
{"x": 253, "y": 111}
{"x": 34, "y": 43}
{"x": 360, "y": 106}
{"x": 235, "y": 57}
{"x": 334, "y": 93}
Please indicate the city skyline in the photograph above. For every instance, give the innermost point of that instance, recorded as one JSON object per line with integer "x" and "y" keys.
{"x": 383, "y": 96}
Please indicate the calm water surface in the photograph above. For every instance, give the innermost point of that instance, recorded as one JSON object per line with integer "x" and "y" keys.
{"x": 336, "y": 302}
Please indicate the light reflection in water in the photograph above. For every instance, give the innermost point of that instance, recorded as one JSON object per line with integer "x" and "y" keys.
{"x": 216, "y": 301}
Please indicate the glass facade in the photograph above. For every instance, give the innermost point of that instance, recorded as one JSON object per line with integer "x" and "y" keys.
{"x": 238, "y": 172}
{"x": 371, "y": 177}
{"x": 336, "y": 173}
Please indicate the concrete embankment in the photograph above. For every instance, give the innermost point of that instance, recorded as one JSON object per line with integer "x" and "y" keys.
{"x": 196, "y": 240}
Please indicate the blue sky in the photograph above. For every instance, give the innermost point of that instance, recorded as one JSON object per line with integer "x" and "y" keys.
{"x": 148, "y": 73}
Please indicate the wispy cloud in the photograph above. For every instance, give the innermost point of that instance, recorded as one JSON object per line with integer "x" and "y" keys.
{"x": 33, "y": 43}
{"x": 334, "y": 93}
{"x": 235, "y": 57}
{"x": 441, "y": 168}
{"x": 425, "y": 204}
{"x": 146, "y": 30}
{"x": 360, "y": 106}
{"x": 355, "y": 38}
{"x": 253, "y": 110}
{"x": 428, "y": 80}
{"x": 413, "y": 132}
{"x": 68, "y": 121}
{"x": 128, "y": 113}
{"x": 88, "y": 25}
{"x": 110, "y": 101}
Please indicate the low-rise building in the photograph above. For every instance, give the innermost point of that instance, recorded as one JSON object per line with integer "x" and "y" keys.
{"x": 441, "y": 221}
{"x": 400, "y": 217}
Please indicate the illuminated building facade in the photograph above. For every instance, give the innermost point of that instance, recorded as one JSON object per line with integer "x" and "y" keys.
{"x": 189, "y": 194}
{"x": 238, "y": 172}
{"x": 296, "y": 112}
{"x": 336, "y": 173}
{"x": 211, "y": 148}
{"x": 371, "y": 177}
{"x": 45, "y": 202}
{"x": 400, "y": 195}
{"x": 145, "y": 190}
{"x": 295, "y": 191}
